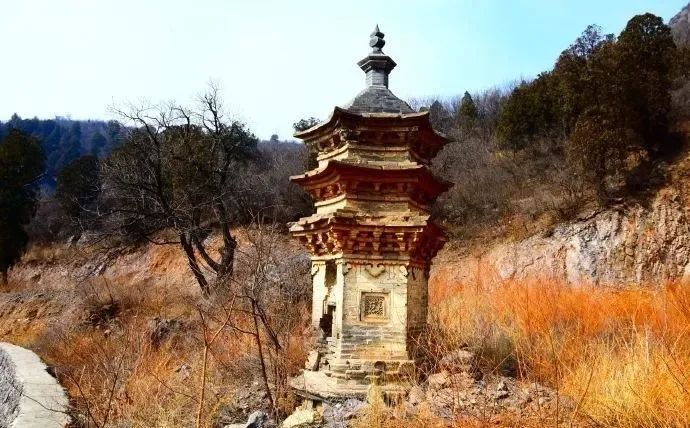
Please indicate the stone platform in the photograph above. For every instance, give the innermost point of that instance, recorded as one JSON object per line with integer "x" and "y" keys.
{"x": 318, "y": 386}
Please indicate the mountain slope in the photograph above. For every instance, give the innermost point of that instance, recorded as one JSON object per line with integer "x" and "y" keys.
{"x": 680, "y": 26}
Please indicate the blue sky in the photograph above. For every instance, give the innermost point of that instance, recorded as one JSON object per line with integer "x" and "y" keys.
{"x": 278, "y": 61}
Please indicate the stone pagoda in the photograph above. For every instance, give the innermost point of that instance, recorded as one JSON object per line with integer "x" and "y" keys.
{"x": 371, "y": 241}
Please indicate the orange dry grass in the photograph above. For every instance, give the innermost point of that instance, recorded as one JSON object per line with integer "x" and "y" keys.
{"x": 113, "y": 372}
{"x": 621, "y": 354}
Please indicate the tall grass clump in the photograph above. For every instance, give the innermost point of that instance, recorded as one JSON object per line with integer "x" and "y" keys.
{"x": 621, "y": 354}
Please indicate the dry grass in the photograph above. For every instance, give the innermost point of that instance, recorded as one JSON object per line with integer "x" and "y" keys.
{"x": 96, "y": 334}
{"x": 621, "y": 354}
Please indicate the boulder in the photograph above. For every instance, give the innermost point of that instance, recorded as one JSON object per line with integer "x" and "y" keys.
{"x": 257, "y": 419}
{"x": 439, "y": 380}
{"x": 460, "y": 360}
{"x": 299, "y": 418}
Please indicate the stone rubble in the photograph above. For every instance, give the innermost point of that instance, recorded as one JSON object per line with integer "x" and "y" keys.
{"x": 257, "y": 419}
{"x": 458, "y": 392}
{"x": 249, "y": 400}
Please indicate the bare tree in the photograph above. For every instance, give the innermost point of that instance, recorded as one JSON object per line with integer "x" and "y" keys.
{"x": 173, "y": 172}
{"x": 272, "y": 282}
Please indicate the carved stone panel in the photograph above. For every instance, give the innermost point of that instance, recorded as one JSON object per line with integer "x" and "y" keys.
{"x": 374, "y": 307}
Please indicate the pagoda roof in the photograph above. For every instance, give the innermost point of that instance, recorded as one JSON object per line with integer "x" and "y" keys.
{"x": 355, "y": 118}
{"x": 396, "y": 171}
{"x": 377, "y": 99}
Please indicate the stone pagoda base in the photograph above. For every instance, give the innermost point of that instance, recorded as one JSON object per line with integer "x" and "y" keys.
{"x": 328, "y": 378}
{"x": 323, "y": 386}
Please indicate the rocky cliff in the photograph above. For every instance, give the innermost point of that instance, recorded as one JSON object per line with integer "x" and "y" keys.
{"x": 631, "y": 244}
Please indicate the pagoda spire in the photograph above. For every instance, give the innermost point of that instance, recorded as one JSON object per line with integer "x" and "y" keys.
{"x": 376, "y": 41}
{"x": 377, "y": 65}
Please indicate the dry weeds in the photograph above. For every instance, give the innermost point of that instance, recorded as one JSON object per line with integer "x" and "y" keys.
{"x": 622, "y": 355}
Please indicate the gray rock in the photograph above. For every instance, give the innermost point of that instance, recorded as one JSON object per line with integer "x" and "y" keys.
{"x": 247, "y": 398}
{"x": 459, "y": 360}
{"x": 439, "y": 380}
{"x": 299, "y": 418}
{"x": 337, "y": 415}
{"x": 416, "y": 395}
{"x": 257, "y": 419}
{"x": 313, "y": 360}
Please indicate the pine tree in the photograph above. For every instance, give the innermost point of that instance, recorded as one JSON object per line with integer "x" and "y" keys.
{"x": 21, "y": 166}
{"x": 468, "y": 110}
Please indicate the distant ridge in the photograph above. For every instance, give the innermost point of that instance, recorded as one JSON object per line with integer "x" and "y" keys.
{"x": 680, "y": 26}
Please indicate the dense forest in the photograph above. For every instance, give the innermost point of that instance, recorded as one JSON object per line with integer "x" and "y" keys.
{"x": 598, "y": 129}
{"x": 64, "y": 140}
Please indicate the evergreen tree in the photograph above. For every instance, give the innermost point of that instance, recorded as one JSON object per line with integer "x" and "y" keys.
{"x": 468, "y": 110}
{"x": 78, "y": 185}
{"x": 532, "y": 110}
{"x": 623, "y": 121}
{"x": 21, "y": 166}
{"x": 303, "y": 125}
{"x": 646, "y": 56}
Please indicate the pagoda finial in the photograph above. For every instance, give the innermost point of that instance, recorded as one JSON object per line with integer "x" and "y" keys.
{"x": 376, "y": 41}
{"x": 377, "y": 65}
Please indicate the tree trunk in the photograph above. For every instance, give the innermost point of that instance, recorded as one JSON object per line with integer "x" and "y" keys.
{"x": 227, "y": 252}
{"x": 193, "y": 264}
{"x": 264, "y": 374}
{"x": 202, "y": 386}
{"x": 227, "y": 257}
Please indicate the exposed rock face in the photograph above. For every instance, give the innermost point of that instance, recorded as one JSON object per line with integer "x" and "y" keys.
{"x": 10, "y": 391}
{"x": 633, "y": 245}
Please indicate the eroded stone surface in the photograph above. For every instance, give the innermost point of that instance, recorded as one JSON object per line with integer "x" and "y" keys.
{"x": 631, "y": 245}
{"x": 29, "y": 396}
{"x": 10, "y": 390}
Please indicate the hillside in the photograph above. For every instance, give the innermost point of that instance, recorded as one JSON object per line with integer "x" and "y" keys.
{"x": 173, "y": 296}
{"x": 64, "y": 140}
{"x": 680, "y": 25}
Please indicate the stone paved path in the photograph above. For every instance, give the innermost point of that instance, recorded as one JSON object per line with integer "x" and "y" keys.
{"x": 29, "y": 396}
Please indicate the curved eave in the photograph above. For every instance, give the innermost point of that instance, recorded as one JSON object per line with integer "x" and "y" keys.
{"x": 327, "y": 126}
{"x": 426, "y": 178}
